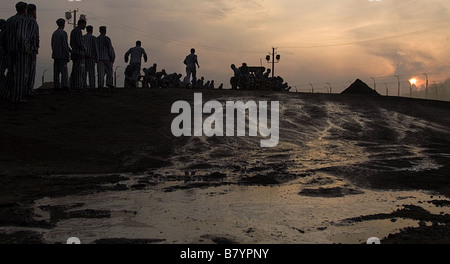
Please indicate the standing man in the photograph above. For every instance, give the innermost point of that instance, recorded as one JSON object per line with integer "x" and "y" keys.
{"x": 33, "y": 29}
{"x": 191, "y": 61}
{"x": 136, "y": 57}
{"x": 18, "y": 52}
{"x": 78, "y": 53}
{"x": 91, "y": 56}
{"x": 60, "y": 56}
{"x": 106, "y": 58}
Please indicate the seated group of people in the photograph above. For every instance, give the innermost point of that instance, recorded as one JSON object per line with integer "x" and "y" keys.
{"x": 154, "y": 79}
{"x": 245, "y": 78}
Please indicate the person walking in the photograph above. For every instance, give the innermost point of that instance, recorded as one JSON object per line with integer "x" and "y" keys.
{"x": 91, "y": 57}
{"x": 191, "y": 62}
{"x": 60, "y": 56}
{"x": 78, "y": 54}
{"x": 136, "y": 53}
{"x": 106, "y": 58}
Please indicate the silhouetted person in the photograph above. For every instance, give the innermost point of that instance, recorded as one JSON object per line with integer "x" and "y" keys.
{"x": 191, "y": 62}
{"x": 244, "y": 76}
{"x": 267, "y": 74}
{"x": 60, "y": 56}
{"x": 149, "y": 75}
{"x": 2, "y": 54}
{"x": 106, "y": 58}
{"x": 33, "y": 29}
{"x": 136, "y": 59}
{"x": 78, "y": 55}
{"x": 17, "y": 37}
{"x": 91, "y": 57}
{"x": 234, "y": 81}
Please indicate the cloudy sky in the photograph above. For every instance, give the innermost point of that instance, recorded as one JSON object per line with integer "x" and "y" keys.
{"x": 320, "y": 41}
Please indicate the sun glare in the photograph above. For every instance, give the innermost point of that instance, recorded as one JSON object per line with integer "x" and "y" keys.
{"x": 413, "y": 81}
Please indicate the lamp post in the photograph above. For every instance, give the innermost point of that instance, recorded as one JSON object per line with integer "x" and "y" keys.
{"x": 398, "y": 78}
{"x": 43, "y": 77}
{"x": 115, "y": 76}
{"x": 410, "y": 88}
{"x": 330, "y": 87}
{"x": 268, "y": 58}
{"x": 435, "y": 84}
{"x": 426, "y": 86}
{"x": 312, "y": 88}
{"x": 387, "y": 90}
{"x": 374, "y": 83}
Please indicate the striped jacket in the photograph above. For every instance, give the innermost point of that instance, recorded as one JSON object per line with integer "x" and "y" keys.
{"x": 77, "y": 43}
{"x": 60, "y": 46}
{"x": 105, "y": 48}
{"x": 91, "y": 46}
{"x": 16, "y": 34}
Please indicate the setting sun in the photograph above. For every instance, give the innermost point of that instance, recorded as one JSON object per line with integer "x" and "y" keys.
{"x": 413, "y": 81}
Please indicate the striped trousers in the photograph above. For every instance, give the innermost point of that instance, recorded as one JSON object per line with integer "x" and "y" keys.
{"x": 77, "y": 76}
{"x": 31, "y": 72}
{"x": 90, "y": 73}
{"x": 105, "y": 68}
{"x": 60, "y": 70}
{"x": 15, "y": 85}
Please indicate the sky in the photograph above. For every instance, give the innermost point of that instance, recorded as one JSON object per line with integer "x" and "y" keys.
{"x": 322, "y": 43}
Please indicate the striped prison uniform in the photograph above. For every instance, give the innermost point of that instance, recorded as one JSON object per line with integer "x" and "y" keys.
{"x": 91, "y": 58}
{"x": 34, "y": 48}
{"x": 136, "y": 56}
{"x": 78, "y": 52}
{"x": 18, "y": 52}
{"x": 106, "y": 58}
{"x": 60, "y": 56}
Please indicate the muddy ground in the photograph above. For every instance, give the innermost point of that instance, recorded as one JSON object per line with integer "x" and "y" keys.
{"x": 113, "y": 132}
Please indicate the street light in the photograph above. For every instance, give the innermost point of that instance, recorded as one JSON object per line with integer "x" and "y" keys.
{"x": 435, "y": 84}
{"x": 330, "y": 87}
{"x": 312, "y": 88}
{"x": 115, "y": 76}
{"x": 43, "y": 77}
{"x": 277, "y": 57}
{"x": 398, "y": 84}
{"x": 374, "y": 83}
{"x": 426, "y": 87}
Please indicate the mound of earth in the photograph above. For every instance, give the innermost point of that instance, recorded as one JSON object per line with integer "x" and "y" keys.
{"x": 360, "y": 87}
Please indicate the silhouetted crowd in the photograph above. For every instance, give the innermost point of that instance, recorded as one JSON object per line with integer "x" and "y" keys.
{"x": 93, "y": 58}
{"x": 254, "y": 78}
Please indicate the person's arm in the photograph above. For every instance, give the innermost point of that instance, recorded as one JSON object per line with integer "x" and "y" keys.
{"x": 145, "y": 55}
{"x": 196, "y": 62}
{"x": 127, "y": 54}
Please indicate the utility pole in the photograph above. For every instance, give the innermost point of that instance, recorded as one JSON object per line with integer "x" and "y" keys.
{"x": 277, "y": 57}
{"x": 374, "y": 83}
{"x": 398, "y": 78}
{"x": 426, "y": 87}
{"x": 330, "y": 87}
